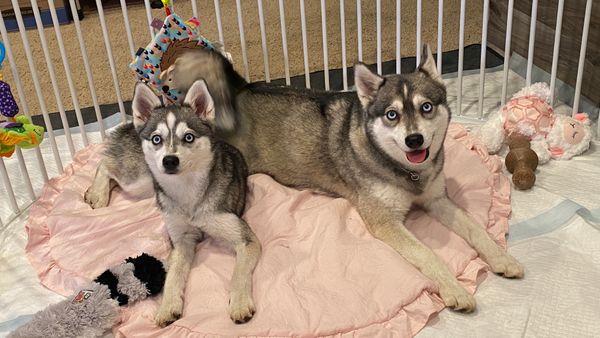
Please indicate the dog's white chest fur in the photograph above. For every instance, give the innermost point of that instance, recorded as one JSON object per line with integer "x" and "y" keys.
{"x": 184, "y": 201}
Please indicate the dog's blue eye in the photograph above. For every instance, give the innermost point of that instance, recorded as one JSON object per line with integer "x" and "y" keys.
{"x": 189, "y": 138}
{"x": 427, "y": 107}
{"x": 391, "y": 115}
{"x": 156, "y": 140}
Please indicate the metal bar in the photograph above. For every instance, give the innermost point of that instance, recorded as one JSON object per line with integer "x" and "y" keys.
{"x": 325, "y": 53}
{"x": 359, "y": 29}
{"x": 88, "y": 70}
{"x": 127, "y": 28}
{"x": 194, "y": 8}
{"x": 149, "y": 17}
{"x": 555, "y": 52}
{"x": 484, "y": 29}
{"x": 343, "y": 38}
{"x": 263, "y": 37}
{"x": 219, "y": 25}
{"x": 509, "y": 19}
{"x": 378, "y": 23}
{"x": 419, "y": 10}
{"x": 37, "y": 86}
{"x": 52, "y": 73}
{"x": 304, "y": 45}
{"x": 21, "y": 93}
{"x": 25, "y": 173}
{"x": 240, "y": 20}
{"x": 582, "y": 51}
{"x": 398, "y": 37}
{"x": 440, "y": 35}
{"x": 12, "y": 200}
{"x": 461, "y": 57}
{"x": 534, "y": 8}
{"x": 284, "y": 43}
{"x": 111, "y": 60}
{"x": 67, "y": 67}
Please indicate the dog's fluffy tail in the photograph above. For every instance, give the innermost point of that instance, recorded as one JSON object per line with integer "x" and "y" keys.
{"x": 222, "y": 80}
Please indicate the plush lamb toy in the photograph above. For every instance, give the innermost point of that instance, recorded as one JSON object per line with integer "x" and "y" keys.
{"x": 94, "y": 309}
{"x": 529, "y": 114}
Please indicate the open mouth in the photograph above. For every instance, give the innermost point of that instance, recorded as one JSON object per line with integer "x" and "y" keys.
{"x": 417, "y": 156}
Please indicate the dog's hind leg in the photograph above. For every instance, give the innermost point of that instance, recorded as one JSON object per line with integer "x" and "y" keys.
{"x": 179, "y": 265}
{"x": 463, "y": 224}
{"x": 237, "y": 232}
{"x": 98, "y": 194}
{"x": 386, "y": 224}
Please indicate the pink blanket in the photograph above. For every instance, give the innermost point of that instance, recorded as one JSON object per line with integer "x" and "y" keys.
{"x": 321, "y": 273}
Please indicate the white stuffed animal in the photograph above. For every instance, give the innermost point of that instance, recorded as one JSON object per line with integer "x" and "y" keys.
{"x": 529, "y": 114}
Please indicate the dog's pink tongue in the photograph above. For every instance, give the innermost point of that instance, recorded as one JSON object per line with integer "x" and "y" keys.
{"x": 417, "y": 156}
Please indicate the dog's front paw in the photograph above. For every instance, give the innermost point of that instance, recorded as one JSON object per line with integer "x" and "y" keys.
{"x": 241, "y": 309}
{"x": 457, "y": 298}
{"x": 96, "y": 200}
{"x": 507, "y": 266}
{"x": 168, "y": 312}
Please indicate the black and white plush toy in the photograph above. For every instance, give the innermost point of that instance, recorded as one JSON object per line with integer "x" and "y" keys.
{"x": 94, "y": 309}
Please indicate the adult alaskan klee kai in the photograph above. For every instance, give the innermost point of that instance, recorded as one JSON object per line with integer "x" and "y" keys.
{"x": 200, "y": 187}
{"x": 380, "y": 147}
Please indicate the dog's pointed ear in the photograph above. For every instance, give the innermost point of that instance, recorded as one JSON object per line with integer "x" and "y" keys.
{"x": 199, "y": 99}
{"x": 367, "y": 83}
{"x": 144, "y": 102}
{"x": 428, "y": 66}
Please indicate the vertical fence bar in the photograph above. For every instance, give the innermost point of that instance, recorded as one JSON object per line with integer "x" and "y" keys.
{"x": 484, "y": 29}
{"x": 25, "y": 173}
{"x": 509, "y": 18}
{"x": 263, "y": 37}
{"x": 419, "y": 9}
{"x": 534, "y": 8}
{"x": 149, "y": 17}
{"x": 219, "y": 25}
{"x": 194, "y": 8}
{"x": 37, "y": 86}
{"x": 378, "y": 20}
{"x": 12, "y": 200}
{"x": 88, "y": 70}
{"x": 127, "y": 28}
{"x": 21, "y": 93}
{"x": 304, "y": 45}
{"x": 582, "y": 51}
{"x": 461, "y": 57}
{"x": 240, "y": 20}
{"x": 343, "y": 38}
{"x": 52, "y": 73}
{"x": 398, "y": 37}
{"x": 555, "y": 52}
{"x": 111, "y": 60}
{"x": 67, "y": 67}
{"x": 325, "y": 53}
{"x": 359, "y": 29}
{"x": 440, "y": 35}
{"x": 284, "y": 43}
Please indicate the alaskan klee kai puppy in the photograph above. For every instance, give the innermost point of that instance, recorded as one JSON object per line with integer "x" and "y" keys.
{"x": 200, "y": 187}
{"x": 380, "y": 147}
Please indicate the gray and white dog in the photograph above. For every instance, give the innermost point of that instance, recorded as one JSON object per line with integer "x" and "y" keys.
{"x": 200, "y": 187}
{"x": 380, "y": 147}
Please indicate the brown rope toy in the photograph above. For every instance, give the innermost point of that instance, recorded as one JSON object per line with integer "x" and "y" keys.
{"x": 521, "y": 161}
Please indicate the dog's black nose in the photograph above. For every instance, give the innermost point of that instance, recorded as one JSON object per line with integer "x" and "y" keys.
{"x": 170, "y": 163}
{"x": 414, "y": 141}
{"x": 165, "y": 89}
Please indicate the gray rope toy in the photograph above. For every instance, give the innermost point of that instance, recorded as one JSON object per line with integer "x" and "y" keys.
{"x": 94, "y": 309}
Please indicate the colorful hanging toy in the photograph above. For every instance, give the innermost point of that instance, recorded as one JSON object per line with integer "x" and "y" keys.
{"x": 174, "y": 37}
{"x": 15, "y": 131}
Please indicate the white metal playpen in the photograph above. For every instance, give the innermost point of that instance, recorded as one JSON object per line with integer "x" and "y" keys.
{"x": 24, "y": 174}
